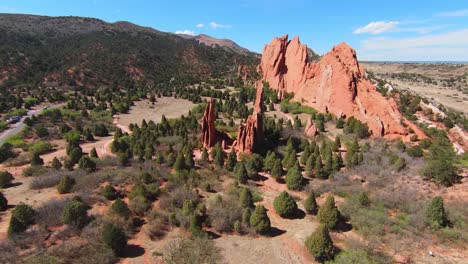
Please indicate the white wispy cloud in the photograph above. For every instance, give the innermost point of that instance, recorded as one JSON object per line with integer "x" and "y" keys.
{"x": 200, "y": 25}
{"x": 377, "y": 27}
{"x": 217, "y": 25}
{"x": 443, "y": 46}
{"x": 186, "y": 32}
{"x": 449, "y": 39}
{"x": 456, "y": 13}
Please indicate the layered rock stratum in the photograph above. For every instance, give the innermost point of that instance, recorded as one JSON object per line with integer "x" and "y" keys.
{"x": 336, "y": 84}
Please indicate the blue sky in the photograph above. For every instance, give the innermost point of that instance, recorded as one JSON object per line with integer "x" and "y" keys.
{"x": 378, "y": 30}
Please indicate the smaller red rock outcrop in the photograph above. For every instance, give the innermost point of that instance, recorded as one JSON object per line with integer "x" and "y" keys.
{"x": 209, "y": 134}
{"x": 251, "y": 133}
{"x": 310, "y": 130}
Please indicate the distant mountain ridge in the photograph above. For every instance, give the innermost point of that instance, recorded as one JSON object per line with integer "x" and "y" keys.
{"x": 212, "y": 42}
{"x": 90, "y": 52}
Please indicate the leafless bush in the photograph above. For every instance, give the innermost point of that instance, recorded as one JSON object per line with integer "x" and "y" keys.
{"x": 50, "y": 213}
{"x": 44, "y": 182}
{"x": 195, "y": 251}
{"x": 157, "y": 225}
{"x": 177, "y": 197}
{"x": 223, "y": 214}
{"x": 9, "y": 252}
{"x": 139, "y": 205}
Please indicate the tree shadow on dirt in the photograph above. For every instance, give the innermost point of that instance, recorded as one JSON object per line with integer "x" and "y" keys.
{"x": 133, "y": 251}
{"x": 274, "y": 232}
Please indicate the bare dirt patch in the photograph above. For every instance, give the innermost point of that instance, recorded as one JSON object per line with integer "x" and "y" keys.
{"x": 169, "y": 106}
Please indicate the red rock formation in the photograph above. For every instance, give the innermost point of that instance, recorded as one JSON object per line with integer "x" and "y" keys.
{"x": 251, "y": 133}
{"x": 335, "y": 84}
{"x": 209, "y": 133}
{"x": 310, "y": 130}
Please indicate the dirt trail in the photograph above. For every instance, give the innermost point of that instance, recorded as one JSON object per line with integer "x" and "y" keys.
{"x": 286, "y": 246}
{"x": 20, "y": 191}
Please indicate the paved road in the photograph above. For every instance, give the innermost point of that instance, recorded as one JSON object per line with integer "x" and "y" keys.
{"x": 16, "y": 128}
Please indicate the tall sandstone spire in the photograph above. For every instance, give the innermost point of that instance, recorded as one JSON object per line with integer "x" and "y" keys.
{"x": 209, "y": 133}
{"x": 250, "y": 134}
{"x": 334, "y": 84}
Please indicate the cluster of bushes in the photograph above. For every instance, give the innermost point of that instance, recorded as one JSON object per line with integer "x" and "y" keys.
{"x": 355, "y": 126}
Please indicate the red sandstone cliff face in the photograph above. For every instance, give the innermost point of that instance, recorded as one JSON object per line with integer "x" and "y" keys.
{"x": 251, "y": 133}
{"x": 209, "y": 133}
{"x": 335, "y": 84}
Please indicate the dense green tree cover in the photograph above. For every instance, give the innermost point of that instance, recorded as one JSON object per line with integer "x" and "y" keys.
{"x": 353, "y": 125}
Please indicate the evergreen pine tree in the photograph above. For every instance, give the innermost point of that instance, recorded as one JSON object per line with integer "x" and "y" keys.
{"x": 277, "y": 170}
{"x": 180, "y": 162}
{"x": 246, "y": 216}
{"x": 3, "y": 202}
{"x": 75, "y": 213}
{"x": 189, "y": 162}
{"x": 318, "y": 169}
{"x": 204, "y": 156}
{"x": 245, "y": 198}
{"x": 231, "y": 161}
{"x": 305, "y": 155}
{"x": 285, "y": 205}
{"x": 36, "y": 160}
{"x": 241, "y": 172}
{"x": 259, "y": 220}
{"x": 310, "y": 204}
{"x": 337, "y": 162}
{"x": 435, "y": 213}
{"x": 115, "y": 238}
{"x": 65, "y": 184}
{"x": 56, "y": 164}
{"x": 363, "y": 199}
{"x": 320, "y": 245}
{"x": 120, "y": 208}
{"x": 328, "y": 214}
{"x": 219, "y": 155}
{"x": 294, "y": 179}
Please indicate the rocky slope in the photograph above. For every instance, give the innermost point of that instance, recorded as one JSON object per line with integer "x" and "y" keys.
{"x": 336, "y": 83}
{"x": 214, "y": 42}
